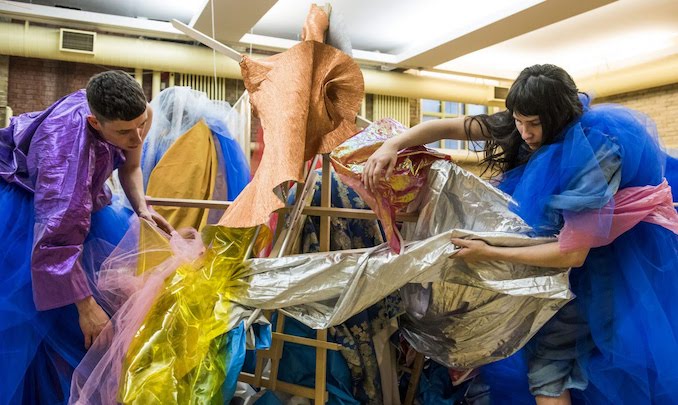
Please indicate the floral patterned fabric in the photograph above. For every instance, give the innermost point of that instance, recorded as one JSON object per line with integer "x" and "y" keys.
{"x": 355, "y": 335}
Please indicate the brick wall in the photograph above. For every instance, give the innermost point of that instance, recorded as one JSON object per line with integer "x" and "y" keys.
{"x": 415, "y": 111}
{"x": 147, "y": 83}
{"x": 34, "y": 84}
{"x": 659, "y": 103}
{"x": 4, "y": 83}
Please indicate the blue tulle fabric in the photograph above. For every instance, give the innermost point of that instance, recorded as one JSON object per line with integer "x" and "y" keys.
{"x": 672, "y": 176}
{"x": 626, "y": 290}
{"x": 40, "y": 349}
{"x": 237, "y": 168}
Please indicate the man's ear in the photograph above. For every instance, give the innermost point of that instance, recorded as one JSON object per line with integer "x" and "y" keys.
{"x": 94, "y": 122}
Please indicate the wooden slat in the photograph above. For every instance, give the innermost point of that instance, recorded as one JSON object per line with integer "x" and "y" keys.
{"x": 311, "y": 211}
{"x": 293, "y": 389}
{"x": 321, "y": 335}
{"x": 307, "y": 341}
{"x": 321, "y": 368}
{"x": 417, "y": 367}
{"x": 325, "y": 202}
{"x": 277, "y": 349}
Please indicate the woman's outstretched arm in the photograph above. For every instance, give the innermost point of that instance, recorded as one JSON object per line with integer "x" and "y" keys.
{"x": 382, "y": 162}
{"x": 546, "y": 255}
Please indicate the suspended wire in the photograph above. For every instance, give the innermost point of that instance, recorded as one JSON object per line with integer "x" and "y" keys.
{"x": 214, "y": 54}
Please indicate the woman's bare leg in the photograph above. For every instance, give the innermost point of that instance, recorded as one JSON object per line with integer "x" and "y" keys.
{"x": 563, "y": 399}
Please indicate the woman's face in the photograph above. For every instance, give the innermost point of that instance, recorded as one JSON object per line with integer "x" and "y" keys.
{"x": 530, "y": 129}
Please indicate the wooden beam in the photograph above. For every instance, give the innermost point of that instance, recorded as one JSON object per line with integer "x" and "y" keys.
{"x": 293, "y": 389}
{"x": 325, "y": 202}
{"x": 307, "y": 341}
{"x": 232, "y": 18}
{"x": 312, "y": 211}
{"x": 207, "y": 41}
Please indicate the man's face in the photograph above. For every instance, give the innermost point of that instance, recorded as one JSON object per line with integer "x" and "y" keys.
{"x": 126, "y": 135}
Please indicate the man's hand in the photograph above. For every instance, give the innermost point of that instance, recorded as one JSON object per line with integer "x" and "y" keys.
{"x": 157, "y": 219}
{"x": 92, "y": 319}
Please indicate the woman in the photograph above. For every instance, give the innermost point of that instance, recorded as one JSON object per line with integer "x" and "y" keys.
{"x": 59, "y": 227}
{"x": 593, "y": 176}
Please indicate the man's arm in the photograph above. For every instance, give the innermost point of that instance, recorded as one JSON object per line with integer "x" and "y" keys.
{"x": 132, "y": 183}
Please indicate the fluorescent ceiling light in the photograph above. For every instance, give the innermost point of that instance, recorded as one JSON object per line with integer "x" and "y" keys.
{"x": 598, "y": 55}
{"x": 386, "y": 39}
{"x": 454, "y": 77}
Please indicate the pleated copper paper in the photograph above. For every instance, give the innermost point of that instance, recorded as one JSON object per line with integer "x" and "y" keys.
{"x": 306, "y": 98}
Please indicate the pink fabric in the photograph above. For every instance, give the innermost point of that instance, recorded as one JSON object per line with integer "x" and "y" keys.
{"x": 631, "y": 205}
{"x": 130, "y": 297}
{"x": 383, "y": 208}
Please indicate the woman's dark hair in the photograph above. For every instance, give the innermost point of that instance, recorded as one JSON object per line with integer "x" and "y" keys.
{"x": 115, "y": 95}
{"x": 544, "y": 90}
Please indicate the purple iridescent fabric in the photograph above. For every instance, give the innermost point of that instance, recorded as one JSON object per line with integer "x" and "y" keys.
{"x": 59, "y": 157}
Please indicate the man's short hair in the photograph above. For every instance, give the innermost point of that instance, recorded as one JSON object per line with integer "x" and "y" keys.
{"x": 115, "y": 95}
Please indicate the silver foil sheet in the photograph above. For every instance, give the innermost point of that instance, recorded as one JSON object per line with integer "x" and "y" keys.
{"x": 461, "y": 315}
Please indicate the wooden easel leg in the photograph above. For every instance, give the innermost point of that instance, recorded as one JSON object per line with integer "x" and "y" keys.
{"x": 262, "y": 357}
{"x": 321, "y": 369}
{"x": 325, "y": 202}
{"x": 412, "y": 387}
{"x": 276, "y": 351}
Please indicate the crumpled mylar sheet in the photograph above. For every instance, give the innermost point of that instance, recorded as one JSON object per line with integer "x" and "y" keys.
{"x": 464, "y": 315}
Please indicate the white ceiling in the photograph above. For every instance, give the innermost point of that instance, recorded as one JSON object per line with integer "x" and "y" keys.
{"x": 612, "y": 37}
{"x": 161, "y": 10}
{"x": 488, "y": 38}
{"x": 485, "y": 38}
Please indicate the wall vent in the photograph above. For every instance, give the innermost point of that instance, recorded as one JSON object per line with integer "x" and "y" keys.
{"x": 497, "y": 96}
{"x": 394, "y": 107}
{"x": 500, "y": 92}
{"x": 77, "y": 41}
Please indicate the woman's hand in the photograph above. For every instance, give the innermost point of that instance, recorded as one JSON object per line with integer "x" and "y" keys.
{"x": 472, "y": 250}
{"x": 92, "y": 319}
{"x": 380, "y": 164}
{"x": 157, "y": 219}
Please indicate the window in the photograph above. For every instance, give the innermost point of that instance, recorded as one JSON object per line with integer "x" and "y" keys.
{"x": 475, "y": 109}
{"x": 430, "y": 106}
{"x": 437, "y": 109}
{"x": 452, "y": 108}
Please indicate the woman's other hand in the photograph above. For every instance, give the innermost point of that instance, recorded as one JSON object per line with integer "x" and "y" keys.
{"x": 472, "y": 250}
{"x": 380, "y": 164}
